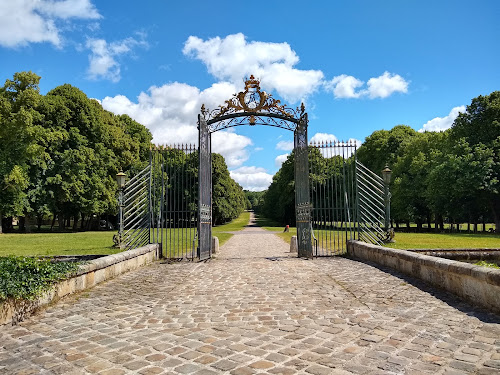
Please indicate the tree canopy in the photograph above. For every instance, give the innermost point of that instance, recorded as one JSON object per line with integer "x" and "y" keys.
{"x": 60, "y": 152}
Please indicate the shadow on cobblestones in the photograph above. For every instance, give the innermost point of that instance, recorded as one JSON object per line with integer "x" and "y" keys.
{"x": 448, "y": 298}
{"x": 256, "y": 310}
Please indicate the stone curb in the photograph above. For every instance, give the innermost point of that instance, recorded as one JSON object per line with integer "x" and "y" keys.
{"x": 476, "y": 284}
{"x": 89, "y": 275}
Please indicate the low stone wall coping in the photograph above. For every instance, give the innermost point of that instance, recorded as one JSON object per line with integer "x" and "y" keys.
{"x": 108, "y": 260}
{"x": 87, "y": 276}
{"x": 481, "y": 282}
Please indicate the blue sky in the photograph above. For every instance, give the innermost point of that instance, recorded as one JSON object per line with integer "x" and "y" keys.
{"x": 359, "y": 66}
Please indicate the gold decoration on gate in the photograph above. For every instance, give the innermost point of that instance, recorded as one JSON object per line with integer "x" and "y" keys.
{"x": 254, "y": 101}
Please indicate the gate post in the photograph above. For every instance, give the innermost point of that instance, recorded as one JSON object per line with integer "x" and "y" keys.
{"x": 302, "y": 200}
{"x": 204, "y": 190}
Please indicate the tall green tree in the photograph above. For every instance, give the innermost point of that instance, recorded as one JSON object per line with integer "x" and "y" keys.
{"x": 228, "y": 198}
{"x": 479, "y": 126}
{"x": 19, "y": 129}
{"x": 383, "y": 147}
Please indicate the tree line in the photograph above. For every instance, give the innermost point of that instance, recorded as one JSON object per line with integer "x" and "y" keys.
{"x": 451, "y": 176}
{"x": 60, "y": 153}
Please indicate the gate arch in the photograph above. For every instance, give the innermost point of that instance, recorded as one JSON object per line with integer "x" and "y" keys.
{"x": 253, "y": 107}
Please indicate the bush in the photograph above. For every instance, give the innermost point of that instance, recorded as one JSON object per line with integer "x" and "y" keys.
{"x": 28, "y": 278}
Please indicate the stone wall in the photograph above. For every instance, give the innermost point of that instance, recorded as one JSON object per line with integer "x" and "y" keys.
{"x": 478, "y": 285}
{"x": 89, "y": 275}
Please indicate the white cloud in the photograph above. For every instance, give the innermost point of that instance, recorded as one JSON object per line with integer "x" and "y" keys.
{"x": 442, "y": 123}
{"x": 280, "y": 159}
{"x": 233, "y": 58}
{"x": 323, "y": 137}
{"x": 252, "y": 178}
{"x": 171, "y": 111}
{"x": 232, "y": 146}
{"x": 385, "y": 85}
{"x": 103, "y": 60}
{"x": 344, "y": 86}
{"x": 36, "y": 21}
{"x": 285, "y": 145}
{"x": 337, "y": 148}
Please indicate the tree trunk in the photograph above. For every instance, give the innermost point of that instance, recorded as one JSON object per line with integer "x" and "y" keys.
{"x": 429, "y": 223}
{"x": 468, "y": 226}
{"x": 484, "y": 224}
{"x": 60, "y": 219}
{"x": 495, "y": 208}
{"x": 75, "y": 222}
{"x": 1, "y": 220}
{"x": 39, "y": 219}
{"x": 408, "y": 225}
{"x": 419, "y": 226}
{"x": 475, "y": 225}
{"x": 27, "y": 224}
{"x": 82, "y": 223}
{"x": 21, "y": 223}
{"x": 53, "y": 222}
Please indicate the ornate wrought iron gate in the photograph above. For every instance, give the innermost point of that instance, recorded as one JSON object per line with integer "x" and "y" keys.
{"x": 170, "y": 201}
{"x": 348, "y": 200}
{"x": 135, "y": 210}
{"x": 255, "y": 107}
{"x": 333, "y": 196}
{"x": 160, "y": 203}
{"x": 371, "y": 201}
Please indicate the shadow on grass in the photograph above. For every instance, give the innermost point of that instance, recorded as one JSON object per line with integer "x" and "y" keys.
{"x": 261, "y": 221}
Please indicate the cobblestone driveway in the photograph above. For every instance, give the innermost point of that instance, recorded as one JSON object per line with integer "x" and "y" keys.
{"x": 254, "y": 309}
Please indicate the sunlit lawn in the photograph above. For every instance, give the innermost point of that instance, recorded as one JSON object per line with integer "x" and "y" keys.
{"x": 182, "y": 242}
{"x": 80, "y": 243}
{"x": 445, "y": 241}
{"x": 403, "y": 240}
{"x": 101, "y": 242}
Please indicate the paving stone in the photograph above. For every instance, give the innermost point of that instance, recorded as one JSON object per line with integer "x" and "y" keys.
{"x": 261, "y": 365}
{"x": 224, "y": 365}
{"x": 187, "y": 368}
{"x": 242, "y": 309}
{"x": 151, "y": 371}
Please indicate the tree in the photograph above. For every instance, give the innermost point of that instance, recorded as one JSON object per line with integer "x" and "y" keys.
{"x": 228, "y": 199}
{"x": 19, "y": 129}
{"x": 383, "y": 147}
{"x": 411, "y": 197}
{"x": 479, "y": 126}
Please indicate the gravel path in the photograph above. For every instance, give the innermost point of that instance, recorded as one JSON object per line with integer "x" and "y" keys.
{"x": 254, "y": 242}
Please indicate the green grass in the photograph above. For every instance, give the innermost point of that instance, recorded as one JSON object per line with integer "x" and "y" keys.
{"x": 99, "y": 243}
{"x": 236, "y": 225}
{"x": 483, "y": 263}
{"x": 272, "y": 226}
{"x": 80, "y": 243}
{"x": 445, "y": 241}
{"x": 179, "y": 242}
{"x": 405, "y": 240}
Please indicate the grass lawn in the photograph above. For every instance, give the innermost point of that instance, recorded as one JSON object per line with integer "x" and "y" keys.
{"x": 237, "y": 224}
{"x": 272, "y": 226}
{"x": 179, "y": 242}
{"x": 444, "y": 241}
{"x": 407, "y": 240}
{"x": 101, "y": 242}
{"x": 79, "y": 243}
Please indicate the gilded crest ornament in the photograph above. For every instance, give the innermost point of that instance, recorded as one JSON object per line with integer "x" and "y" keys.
{"x": 252, "y": 106}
